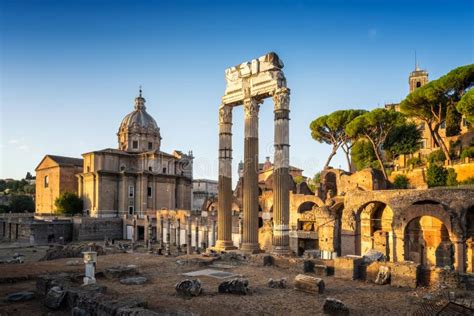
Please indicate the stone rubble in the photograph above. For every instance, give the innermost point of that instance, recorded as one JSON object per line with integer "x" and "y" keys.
{"x": 134, "y": 280}
{"x": 277, "y": 284}
{"x": 334, "y": 306}
{"x": 189, "y": 287}
{"x": 235, "y": 286}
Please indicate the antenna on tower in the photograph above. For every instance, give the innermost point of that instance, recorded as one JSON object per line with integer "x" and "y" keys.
{"x": 416, "y": 62}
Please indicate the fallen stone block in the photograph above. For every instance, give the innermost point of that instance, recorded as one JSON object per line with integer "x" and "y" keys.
{"x": 308, "y": 266}
{"x": 348, "y": 267}
{"x": 309, "y": 284}
{"x": 133, "y": 280}
{"x": 321, "y": 270}
{"x": 85, "y": 296}
{"x": 45, "y": 282}
{"x": 20, "y": 296}
{"x": 120, "y": 271}
{"x": 55, "y": 298}
{"x": 278, "y": 283}
{"x": 383, "y": 276}
{"x": 334, "y": 306}
{"x": 234, "y": 286}
{"x": 189, "y": 287}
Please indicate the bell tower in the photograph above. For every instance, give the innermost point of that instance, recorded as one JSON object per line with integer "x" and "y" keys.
{"x": 417, "y": 78}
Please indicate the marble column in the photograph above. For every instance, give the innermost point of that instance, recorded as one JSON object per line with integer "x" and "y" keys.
{"x": 189, "y": 241}
{"x": 196, "y": 236}
{"x": 281, "y": 194}
{"x": 168, "y": 237}
{"x": 459, "y": 256}
{"x": 213, "y": 233}
{"x": 224, "y": 211}
{"x": 161, "y": 231}
{"x": 250, "y": 194}
{"x": 178, "y": 234}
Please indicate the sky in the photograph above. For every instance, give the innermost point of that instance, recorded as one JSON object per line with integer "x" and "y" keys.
{"x": 70, "y": 70}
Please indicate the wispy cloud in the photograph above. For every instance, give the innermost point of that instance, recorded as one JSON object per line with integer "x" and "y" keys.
{"x": 19, "y": 144}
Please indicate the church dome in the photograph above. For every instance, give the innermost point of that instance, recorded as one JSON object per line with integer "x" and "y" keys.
{"x": 138, "y": 130}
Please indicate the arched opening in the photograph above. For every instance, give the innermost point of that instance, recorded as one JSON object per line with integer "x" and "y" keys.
{"x": 374, "y": 229}
{"x": 427, "y": 242}
{"x": 330, "y": 183}
{"x": 306, "y": 206}
{"x": 470, "y": 240}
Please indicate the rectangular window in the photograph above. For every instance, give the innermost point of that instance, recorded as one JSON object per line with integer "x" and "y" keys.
{"x": 130, "y": 210}
{"x": 150, "y": 145}
{"x": 423, "y": 143}
{"x": 46, "y": 181}
{"x": 131, "y": 191}
{"x": 135, "y": 144}
{"x": 150, "y": 169}
{"x": 149, "y": 192}
{"x": 164, "y": 170}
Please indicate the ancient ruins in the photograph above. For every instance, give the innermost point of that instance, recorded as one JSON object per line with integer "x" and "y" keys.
{"x": 151, "y": 240}
{"x": 249, "y": 84}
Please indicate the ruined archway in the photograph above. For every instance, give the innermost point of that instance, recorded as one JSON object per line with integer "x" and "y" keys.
{"x": 427, "y": 242}
{"x": 248, "y": 84}
{"x": 374, "y": 229}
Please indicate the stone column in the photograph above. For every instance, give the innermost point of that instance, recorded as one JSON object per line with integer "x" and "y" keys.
{"x": 224, "y": 211}
{"x": 189, "y": 241}
{"x": 213, "y": 233}
{"x": 178, "y": 234}
{"x": 281, "y": 197}
{"x": 197, "y": 235}
{"x": 161, "y": 231}
{"x": 459, "y": 256}
{"x": 250, "y": 194}
{"x": 168, "y": 235}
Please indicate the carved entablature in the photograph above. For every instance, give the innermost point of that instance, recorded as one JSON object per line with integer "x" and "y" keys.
{"x": 258, "y": 79}
{"x": 308, "y": 216}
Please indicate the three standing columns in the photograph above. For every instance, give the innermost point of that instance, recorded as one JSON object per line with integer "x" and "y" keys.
{"x": 250, "y": 194}
{"x": 224, "y": 211}
{"x": 281, "y": 185}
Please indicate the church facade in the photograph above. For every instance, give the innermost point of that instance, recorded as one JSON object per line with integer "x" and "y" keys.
{"x": 137, "y": 179}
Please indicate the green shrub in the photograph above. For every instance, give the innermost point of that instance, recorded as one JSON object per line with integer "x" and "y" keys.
{"x": 436, "y": 176}
{"x": 451, "y": 178}
{"x": 68, "y": 204}
{"x": 401, "y": 182}
{"x": 22, "y": 203}
{"x": 467, "y": 152}
{"x": 436, "y": 156}
{"x": 415, "y": 161}
{"x": 469, "y": 180}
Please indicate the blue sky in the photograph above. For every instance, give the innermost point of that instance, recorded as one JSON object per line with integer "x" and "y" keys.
{"x": 71, "y": 69}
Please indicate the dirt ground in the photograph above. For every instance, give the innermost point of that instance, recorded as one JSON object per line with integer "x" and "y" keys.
{"x": 163, "y": 272}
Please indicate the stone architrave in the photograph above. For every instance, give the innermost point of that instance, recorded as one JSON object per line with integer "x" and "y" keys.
{"x": 249, "y": 84}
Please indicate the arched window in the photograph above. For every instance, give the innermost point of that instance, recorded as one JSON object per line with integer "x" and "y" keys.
{"x": 46, "y": 181}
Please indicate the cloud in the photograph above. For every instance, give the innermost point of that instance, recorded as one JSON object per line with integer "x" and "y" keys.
{"x": 372, "y": 33}
{"x": 19, "y": 144}
{"x": 24, "y": 148}
{"x": 13, "y": 141}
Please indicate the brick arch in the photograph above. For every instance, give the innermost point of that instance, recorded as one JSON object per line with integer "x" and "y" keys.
{"x": 307, "y": 198}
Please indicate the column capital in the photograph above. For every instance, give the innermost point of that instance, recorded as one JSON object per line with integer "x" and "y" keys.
{"x": 281, "y": 99}
{"x": 225, "y": 114}
{"x": 251, "y": 107}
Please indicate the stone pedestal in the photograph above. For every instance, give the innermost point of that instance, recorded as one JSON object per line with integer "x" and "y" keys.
{"x": 250, "y": 194}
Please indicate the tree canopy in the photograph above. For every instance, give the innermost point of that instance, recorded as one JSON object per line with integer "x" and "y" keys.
{"x": 403, "y": 140}
{"x": 430, "y": 102}
{"x": 375, "y": 126}
{"x": 466, "y": 106}
{"x": 22, "y": 203}
{"x": 330, "y": 129}
{"x": 68, "y": 203}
